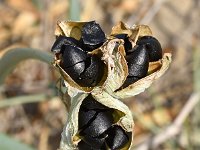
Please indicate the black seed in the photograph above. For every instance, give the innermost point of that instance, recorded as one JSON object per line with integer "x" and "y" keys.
{"x": 84, "y": 146}
{"x": 99, "y": 125}
{"x": 153, "y": 47}
{"x": 72, "y": 55}
{"x": 75, "y": 71}
{"x": 129, "y": 80}
{"x": 85, "y": 116}
{"x": 95, "y": 143}
{"x": 138, "y": 62}
{"x": 87, "y": 47}
{"x": 92, "y": 35}
{"x": 127, "y": 43}
{"x": 93, "y": 72}
{"x": 89, "y": 103}
{"x": 60, "y": 41}
{"x": 117, "y": 138}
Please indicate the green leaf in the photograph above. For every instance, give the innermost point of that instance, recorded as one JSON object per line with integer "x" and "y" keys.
{"x": 7, "y": 143}
{"x": 11, "y": 58}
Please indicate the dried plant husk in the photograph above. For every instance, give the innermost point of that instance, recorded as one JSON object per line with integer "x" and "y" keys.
{"x": 108, "y": 91}
{"x": 155, "y": 69}
{"x": 69, "y": 29}
{"x": 140, "y": 85}
{"x": 123, "y": 117}
{"x": 111, "y": 52}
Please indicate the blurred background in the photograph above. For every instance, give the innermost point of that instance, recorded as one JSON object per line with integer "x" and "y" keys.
{"x": 166, "y": 115}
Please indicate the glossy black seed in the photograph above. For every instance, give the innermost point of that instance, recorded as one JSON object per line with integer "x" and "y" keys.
{"x": 95, "y": 143}
{"x": 93, "y": 72}
{"x": 117, "y": 138}
{"x": 99, "y": 125}
{"x": 60, "y": 41}
{"x": 89, "y": 103}
{"x": 84, "y": 146}
{"x": 153, "y": 47}
{"x": 138, "y": 62}
{"x": 75, "y": 71}
{"x": 127, "y": 43}
{"x": 129, "y": 80}
{"x": 85, "y": 116}
{"x": 92, "y": 35}
{"x": 72, "y": 55}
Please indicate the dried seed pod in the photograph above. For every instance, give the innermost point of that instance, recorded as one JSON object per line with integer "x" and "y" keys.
{"x": 81, "y": 70}
{"x": 102, "y": 122}
{"x": 95, "y": 126}
{"x": 153, "y": 73}
{"x": 140, "y": 37}
{"x": 96, "y": 117}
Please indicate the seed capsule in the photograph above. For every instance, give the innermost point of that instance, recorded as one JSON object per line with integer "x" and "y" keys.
{"x": 92, "y": 36}
{"x": 153, "y": 47}
{"x": 96, "y": 127}
{"x": 86, "y": 70}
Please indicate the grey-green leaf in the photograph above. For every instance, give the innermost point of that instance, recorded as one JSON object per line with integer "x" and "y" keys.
{"x": 11, "y": 58}
{"x": 7, "y": 143}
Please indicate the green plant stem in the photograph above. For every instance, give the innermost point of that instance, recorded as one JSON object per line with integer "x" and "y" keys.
{"x": 74, "y": 10}
{"x": 23, "y": 100}
{"x": 196, "y": 69}
{"x": 11, "y": 58}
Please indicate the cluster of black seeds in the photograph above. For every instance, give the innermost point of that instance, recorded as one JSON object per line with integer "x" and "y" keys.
{"x": 85, "y": 69}
{"x": 96, "y": 127}
{"x": 147, "y": 49}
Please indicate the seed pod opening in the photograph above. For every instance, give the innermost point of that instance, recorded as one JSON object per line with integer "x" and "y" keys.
{"x": 140, "y": 77}
{"x": 80, "y": 68}
{"x": 97, "y": 126}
